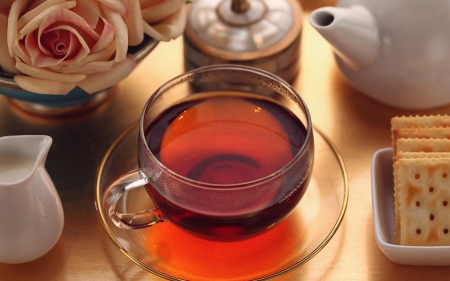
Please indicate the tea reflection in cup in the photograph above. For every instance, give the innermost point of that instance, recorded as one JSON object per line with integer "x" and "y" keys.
{"x": 225, "y": 152}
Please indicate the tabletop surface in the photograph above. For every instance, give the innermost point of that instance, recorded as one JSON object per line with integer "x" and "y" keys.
{"x": 357, "y": 125}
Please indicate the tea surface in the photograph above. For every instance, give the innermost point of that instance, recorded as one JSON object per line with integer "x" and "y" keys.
{"x": 225, "y": 140}
{"x": 228, "y": 140}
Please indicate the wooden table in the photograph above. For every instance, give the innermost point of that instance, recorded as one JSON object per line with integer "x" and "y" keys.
{"x": 357, "y": 125}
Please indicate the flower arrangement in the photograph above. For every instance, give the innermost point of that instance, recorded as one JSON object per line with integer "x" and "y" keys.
{"x": 53, "y": 46}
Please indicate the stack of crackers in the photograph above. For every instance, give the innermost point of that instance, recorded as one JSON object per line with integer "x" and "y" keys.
{"x": 421, "y": 146}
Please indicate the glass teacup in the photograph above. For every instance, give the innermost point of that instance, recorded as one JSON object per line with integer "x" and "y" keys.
{"x": 225, "y": 152}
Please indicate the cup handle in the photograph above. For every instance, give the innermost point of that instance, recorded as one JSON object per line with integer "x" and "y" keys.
{"x": 119, "y": 188}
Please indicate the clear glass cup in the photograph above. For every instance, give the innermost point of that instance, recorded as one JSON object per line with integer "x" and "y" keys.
{"x": 225, "y": 152}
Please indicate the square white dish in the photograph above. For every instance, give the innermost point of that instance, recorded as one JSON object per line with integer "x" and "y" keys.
{"x": 383, "y": 218}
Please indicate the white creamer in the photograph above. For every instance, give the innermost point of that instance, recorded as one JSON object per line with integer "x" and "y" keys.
{"x": 14, "y": 167}
{"x": 31, "y": 214}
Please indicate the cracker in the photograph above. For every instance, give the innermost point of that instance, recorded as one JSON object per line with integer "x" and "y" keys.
{"x": 417, "y": 122}
{"x": 421, "y": 133}
{"x": 423, "y": 145}
{"x": 420, "y": 121}
{"x": 397, "y": 229}
{"x": 423, "y": 195}
{"x": 407, "y": 155}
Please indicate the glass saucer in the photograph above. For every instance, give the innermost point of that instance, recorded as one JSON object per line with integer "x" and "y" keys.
{"x": 169, "y": 252}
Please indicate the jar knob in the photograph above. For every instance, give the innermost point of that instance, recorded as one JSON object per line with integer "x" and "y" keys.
{"x": 239, "y": 6}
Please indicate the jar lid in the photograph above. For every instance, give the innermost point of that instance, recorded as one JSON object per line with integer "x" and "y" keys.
{"x": 243, "y": 30}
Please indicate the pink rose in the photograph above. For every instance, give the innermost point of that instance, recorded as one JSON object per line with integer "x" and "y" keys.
{"x": 55, "y": 45}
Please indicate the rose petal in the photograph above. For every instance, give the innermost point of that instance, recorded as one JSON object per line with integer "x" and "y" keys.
{"x": 89, "y": 10}
{"x": 47, "y": 74}
{"x": 118, "y": 6}
{"x": 89, "y": 64}
{"x": 8, "y": 63}
{"x": 104, "y": 55}
{"x": 78, "y": 48}
{"x": 121, "y": 33}
{"x": 49, "y": 39}
{"x": 21, "y": 53}
{"x": 168, "y": 29}
{"x": 16, "y": 9}
{"x": 106, "y": 37}
{"x": 100, "y": 81}
{"x": 43, "y": 86}
{"x": 96, "y": 67}
{"x": 87, "y": 68}
{"x": 41, "y": 57}
{"x": 68, "y": 17}
{"x": 36, "y": 21}
{"x": 148, "y": 3}
{"x": 134, "y": 22}
{"x": 159, "y": 12}
{"x": 36, "y": 11}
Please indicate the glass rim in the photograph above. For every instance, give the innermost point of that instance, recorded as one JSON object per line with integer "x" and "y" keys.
{"x": 230, "y": 67}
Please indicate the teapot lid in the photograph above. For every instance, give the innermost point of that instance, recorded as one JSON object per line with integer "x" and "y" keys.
{"x": 243, "y": 29}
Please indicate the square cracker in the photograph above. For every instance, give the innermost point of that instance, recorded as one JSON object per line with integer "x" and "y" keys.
{"x": 417, "y": 121}
{"x": 407, "y": 155}
{"x": 423, "y": 145}
{"x": 424, "y": 197}
{"x": 421, "y": 133}
{"x": 420, "y": 121}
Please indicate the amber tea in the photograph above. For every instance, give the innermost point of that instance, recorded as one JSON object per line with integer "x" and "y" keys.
{"x": 225, "y": 140}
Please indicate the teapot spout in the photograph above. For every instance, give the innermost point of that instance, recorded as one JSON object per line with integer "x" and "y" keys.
{"x": 352, "y": 32}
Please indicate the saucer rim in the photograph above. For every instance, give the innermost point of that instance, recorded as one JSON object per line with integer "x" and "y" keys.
{"x": 327, "y": 239}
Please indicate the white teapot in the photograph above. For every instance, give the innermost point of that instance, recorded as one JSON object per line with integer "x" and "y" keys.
{"x": 396, "y": 52}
